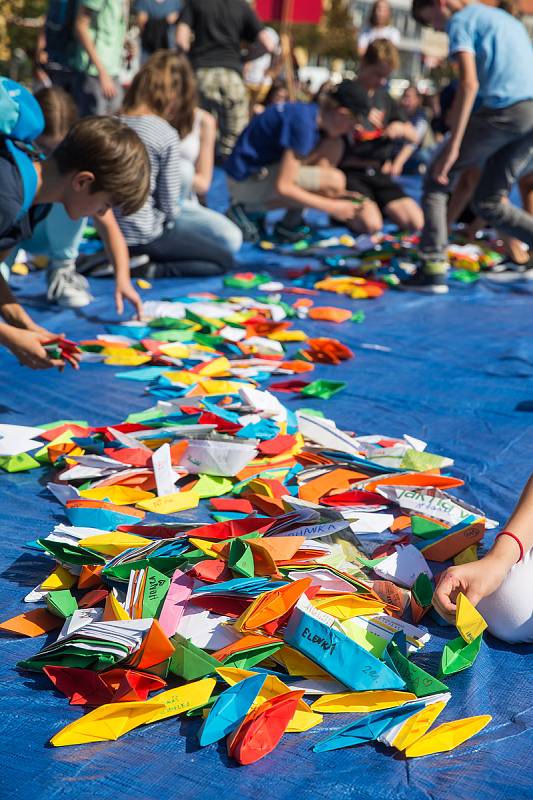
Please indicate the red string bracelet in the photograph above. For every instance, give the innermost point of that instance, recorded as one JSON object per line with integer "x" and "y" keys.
{"x": 517, "y": 540}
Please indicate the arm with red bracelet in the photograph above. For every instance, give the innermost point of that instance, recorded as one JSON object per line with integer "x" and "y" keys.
{"x": 482, "y": 578}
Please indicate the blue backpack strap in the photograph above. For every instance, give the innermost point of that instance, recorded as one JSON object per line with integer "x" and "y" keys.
{"x": 22, "y": 122}
{"x": 28, "y": 175}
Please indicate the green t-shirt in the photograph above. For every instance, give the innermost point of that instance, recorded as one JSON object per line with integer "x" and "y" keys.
{"x": 108, "y": 26}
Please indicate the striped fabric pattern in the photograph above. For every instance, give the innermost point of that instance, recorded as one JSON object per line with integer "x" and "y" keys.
{"x": 163, "y": 145}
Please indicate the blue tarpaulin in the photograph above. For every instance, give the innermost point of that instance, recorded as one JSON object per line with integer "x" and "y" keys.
{"x": 450, "y": 370}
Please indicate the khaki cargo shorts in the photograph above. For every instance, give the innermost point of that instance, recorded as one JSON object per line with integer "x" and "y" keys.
{"x": 259, "y": 191}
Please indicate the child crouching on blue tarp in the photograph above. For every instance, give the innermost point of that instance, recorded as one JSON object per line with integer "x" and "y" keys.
{"x": 501, "y": 583}
{"x": 267, "y": 168}
{"x": 100, "y": 164}
{"x": 58, "y": 236}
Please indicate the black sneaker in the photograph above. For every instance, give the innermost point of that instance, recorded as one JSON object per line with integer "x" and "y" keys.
{"x": 287, "y": 235}
{"x": 431, "y": 278}
{"x": 253, "y": 230}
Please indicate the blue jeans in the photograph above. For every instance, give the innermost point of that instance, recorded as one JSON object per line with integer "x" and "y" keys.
{"x": 56, "y": 236}
{"x": 200, "y": 242}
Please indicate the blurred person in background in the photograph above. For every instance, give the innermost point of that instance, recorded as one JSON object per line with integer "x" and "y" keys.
{"x": 411, "y": 158}
{"x": 378, "y": 27}
{"x": 211, "y": 31}
{"x": 157, "y": 21}
{"x": 261, "y": 68}
{"x": 100, "y": 28}
{"x": 55, "y": 48}
{"x": 278, "y": 93}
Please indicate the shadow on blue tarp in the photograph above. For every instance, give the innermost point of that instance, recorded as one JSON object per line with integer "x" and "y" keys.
{"x": 454, "y": 370}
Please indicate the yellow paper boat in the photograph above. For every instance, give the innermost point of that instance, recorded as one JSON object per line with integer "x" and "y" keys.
{"x": 121, "y": 495}
{"x": 113, "y": 543}
{"x": 360, "y": 702}
{"x": 448, "y": 736}
{"x": 170, "y": 503}
{"x": 416, "y": 726}
{"x": 60, "y": 578}
{"x": 469, "y": 621}
{"x": 177, "y": 701}
{"x": 348, "y": 606}
{"x": 107, "y": 723}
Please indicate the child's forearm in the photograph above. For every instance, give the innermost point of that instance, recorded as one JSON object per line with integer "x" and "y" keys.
{"x": 301, "y": 197}
{"x": 521, "y": 524}
{"x": 115, "y": 246}
{"x": 404, "y": 155}
{"x": 463, "y": 105}
{"x": 505, "y": 551}
{"x": 6, "y": 295}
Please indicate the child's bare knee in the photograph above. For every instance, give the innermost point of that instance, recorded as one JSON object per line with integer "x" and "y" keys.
{"x": 371, "y": 218}
{"x": 333, "y": 182}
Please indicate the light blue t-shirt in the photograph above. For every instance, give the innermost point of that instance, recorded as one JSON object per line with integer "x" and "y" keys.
{"x": 503, "y": 52}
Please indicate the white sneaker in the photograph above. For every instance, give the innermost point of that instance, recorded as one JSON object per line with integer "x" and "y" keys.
{"x": 66, "y": 287}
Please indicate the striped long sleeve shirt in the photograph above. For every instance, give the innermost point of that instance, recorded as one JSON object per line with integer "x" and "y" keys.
{"x": 163, "y": 145}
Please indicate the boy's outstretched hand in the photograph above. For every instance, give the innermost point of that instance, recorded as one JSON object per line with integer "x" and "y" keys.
{"x": 29, "y": 347}
{"x": 126, "y": 291}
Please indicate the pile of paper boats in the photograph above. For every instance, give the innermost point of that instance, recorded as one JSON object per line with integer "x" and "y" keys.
{"x": 301, "y": 595}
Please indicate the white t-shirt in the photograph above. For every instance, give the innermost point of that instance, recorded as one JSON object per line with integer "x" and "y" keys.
{"x": 368, "y": 35}
{"x": 255, "y": 70}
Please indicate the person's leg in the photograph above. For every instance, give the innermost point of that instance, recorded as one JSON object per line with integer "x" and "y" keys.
{"x": 509, "y": 611}
{"x": 58, "y": 237}
{"x": 187, "y": 178}
{"x": 405, "y": 213}
{"x": 221, "y": 237}
{"x": 368, "y": 220}
{"x": 487, "y": 132}
{"x": 235, "y": 111}
{"x": 182, "y": 252}
{"x": 462, "y": 193}
{"x": 392, "y": 201}
{"x": 209, "y": 92}
{"x": 525, "y": 184}
{"x": 89, "y": 96}
{"x": 114, "y": 104}
{"x": 500, "y": 173}
{"x": 328, "y": 181}
{"x": 328, "y": 152}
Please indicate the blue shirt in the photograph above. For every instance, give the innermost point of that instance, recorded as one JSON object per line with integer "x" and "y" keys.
{"x": 501, "y": 45}
{"x": 284, "y": 126}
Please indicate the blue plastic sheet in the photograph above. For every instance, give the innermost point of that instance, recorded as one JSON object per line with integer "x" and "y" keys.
{"x": 450, "y": 370}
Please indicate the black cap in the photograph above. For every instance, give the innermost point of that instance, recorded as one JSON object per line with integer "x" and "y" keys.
{"x": 351, "y": 95}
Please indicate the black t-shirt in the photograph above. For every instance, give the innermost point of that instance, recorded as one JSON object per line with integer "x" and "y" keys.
{"x": 380, "y": 149}
{"x": 219, "y": 26}
{"x": 13, "y": 231}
